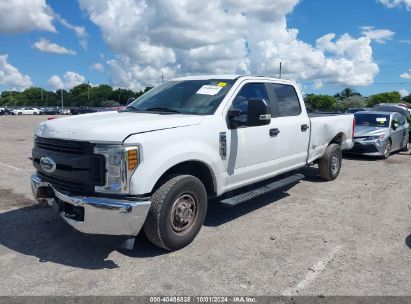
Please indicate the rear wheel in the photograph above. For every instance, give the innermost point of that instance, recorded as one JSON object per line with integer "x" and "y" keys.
{"x": 387, "y": 149}
{"x": 330, "y": 163}
{"x": 19, "y": 113}
{"x": 405, "y": 148}
{"x": 34, "y": 113}
{"x": 177, "y": 212}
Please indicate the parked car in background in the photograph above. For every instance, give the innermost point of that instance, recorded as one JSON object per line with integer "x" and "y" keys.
{"x": 398, "y": 108}
{"x": 65, "y": 111}
{"x": 49, "y": 111}
{"x": 355, "y": 110}
{"x": 380, "y": 133}
{"x": 27, "y": 111}
{"x": 6, "y": 111}
{"x": 82, "y": 110}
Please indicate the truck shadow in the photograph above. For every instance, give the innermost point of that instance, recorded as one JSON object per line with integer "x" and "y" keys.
{"x": 408, "y": 241}
{"x": 218, "y": 214}
{"x": 359, "y": 157}
{"x": 36, "y": 231}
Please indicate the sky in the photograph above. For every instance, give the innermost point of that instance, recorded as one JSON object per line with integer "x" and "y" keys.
{"x": 325, "y": 46}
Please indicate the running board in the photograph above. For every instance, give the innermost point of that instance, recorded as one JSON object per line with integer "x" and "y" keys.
{"x": 241, "y": 198}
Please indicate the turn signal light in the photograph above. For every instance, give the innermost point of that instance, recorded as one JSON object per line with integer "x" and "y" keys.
{"x": 132, "y": 159}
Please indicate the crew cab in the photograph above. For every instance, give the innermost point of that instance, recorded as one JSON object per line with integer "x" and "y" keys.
{"x": 155, "y": 164}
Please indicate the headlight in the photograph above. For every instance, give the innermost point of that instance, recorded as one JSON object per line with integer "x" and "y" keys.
{"x": 374, "y": 137}
{"x": 121, "y": 162}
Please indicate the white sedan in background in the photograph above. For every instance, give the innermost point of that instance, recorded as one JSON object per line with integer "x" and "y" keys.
{"x": 27, "y": 111}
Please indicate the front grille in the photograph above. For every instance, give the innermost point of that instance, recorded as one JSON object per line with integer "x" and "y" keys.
{"x": 68, "y": 186}
{"x": 78, "y": 169}
{"x": 64, "y": 146}
{"x": 359, "y": 148}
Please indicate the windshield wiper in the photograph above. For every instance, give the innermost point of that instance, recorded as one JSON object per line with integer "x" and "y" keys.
{"x": 130, "y": 109}
{"x": 159, "y": 109}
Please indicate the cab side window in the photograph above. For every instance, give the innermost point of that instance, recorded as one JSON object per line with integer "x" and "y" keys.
{"x": 284, "y": 100}
{"x": 247, "y": 92}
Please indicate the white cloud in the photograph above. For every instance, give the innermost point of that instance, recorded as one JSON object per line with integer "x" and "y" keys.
{"x": 79, "y": 31}
{"x": 405, "y": 76}
{"x": 97, "y": 66}
{"x": 56, "y": 83}
{"x": 45, "y": 45}
{"x": 173, "y": 37}
{"x": 20, "y": 16}
{"x": 379, "y": 35}
{"x": 10, "y": 76}
{"x": 71, "y": 79}
{"x": 396, "y": 3}
{"x": 404, "y": 93}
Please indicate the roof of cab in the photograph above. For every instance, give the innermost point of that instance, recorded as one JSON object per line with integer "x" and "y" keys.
{"x": 231, "y": 77}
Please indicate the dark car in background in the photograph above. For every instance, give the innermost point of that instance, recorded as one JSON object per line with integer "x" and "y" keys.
{"x": 49, "y": 111}
{"x": 82, "y": 110}
{"x": 6, "y": 111}
{"x": 355, "y": 110}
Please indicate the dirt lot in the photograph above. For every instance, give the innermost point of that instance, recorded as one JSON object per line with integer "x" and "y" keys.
{"x": 351, "y": 236}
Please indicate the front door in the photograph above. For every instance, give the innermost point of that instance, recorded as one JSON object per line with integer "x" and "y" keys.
{"x": 249, "y": 148}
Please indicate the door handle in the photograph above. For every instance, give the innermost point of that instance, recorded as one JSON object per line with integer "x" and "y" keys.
{"x": 304, "y": 128}
{"x": 274, "y": 132}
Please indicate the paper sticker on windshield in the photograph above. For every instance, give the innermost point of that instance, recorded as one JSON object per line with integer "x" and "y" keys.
{"x": 209, "y": 90}
{"x": 382, "y": 120}
{"x": 222, "y": 84}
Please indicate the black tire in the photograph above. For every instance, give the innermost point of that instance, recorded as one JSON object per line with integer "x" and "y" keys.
{"x": 405, "y": 148}
{"x": 387, "y": 149}
{"x": 163, "y": 218}
{"x": 330, "y": 164}
{"x": 19, "y": 113}
{"x": 34, "y": 113}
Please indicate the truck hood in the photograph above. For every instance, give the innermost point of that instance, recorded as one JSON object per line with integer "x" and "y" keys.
{"x": 368, "y": 131}
{"x": 112, "y": 127}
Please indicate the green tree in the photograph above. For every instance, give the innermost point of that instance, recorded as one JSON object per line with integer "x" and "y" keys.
{"x": 321, "y": 102}
{"x": 389, "y": 97}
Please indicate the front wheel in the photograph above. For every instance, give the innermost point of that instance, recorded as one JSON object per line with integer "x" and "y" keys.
{"x": 177, "y": 212}
{"x": 35, "y": 113}
{"x": 387, "y": 149}
{"x": 330, "y": 162}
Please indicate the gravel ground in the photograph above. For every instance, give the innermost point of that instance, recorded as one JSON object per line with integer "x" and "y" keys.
{"x": 351, "y": 236}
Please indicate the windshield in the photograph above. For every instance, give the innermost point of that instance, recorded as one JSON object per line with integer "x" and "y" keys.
{"x": 198, "y": 97}
{"x": 372, "y": 120}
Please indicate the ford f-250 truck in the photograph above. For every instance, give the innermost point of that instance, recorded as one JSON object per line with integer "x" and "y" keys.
{"x": 155, "y": 164}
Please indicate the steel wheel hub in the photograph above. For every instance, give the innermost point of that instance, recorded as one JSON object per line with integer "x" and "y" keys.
{"x": 335, "y": 163}
{"x": 183, "y": 213}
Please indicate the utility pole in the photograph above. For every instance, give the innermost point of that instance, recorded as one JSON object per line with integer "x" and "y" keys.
{"x": 88, "y": 90}
{"x": 281, "y": 69}
{"x": 61, "y": 96}
{"x": 11, "y": 97}
{"x": 41, "y": 93}
{"x": 162, "y": 78}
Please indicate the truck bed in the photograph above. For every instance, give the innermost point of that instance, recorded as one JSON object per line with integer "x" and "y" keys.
{"x": 324, "y": 128}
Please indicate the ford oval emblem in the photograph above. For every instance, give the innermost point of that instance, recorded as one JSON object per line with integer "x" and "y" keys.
{"x": 48, "y": 164}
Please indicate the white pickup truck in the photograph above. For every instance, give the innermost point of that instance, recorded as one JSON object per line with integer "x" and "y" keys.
{"x": 155, "y": 164}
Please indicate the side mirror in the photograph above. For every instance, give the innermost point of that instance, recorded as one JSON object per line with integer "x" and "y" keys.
{"x": 395, "y": 125}
{"x": 259, "y": 113}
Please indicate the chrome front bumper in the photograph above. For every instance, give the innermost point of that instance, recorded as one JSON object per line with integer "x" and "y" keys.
{"x": 99, "y": 216}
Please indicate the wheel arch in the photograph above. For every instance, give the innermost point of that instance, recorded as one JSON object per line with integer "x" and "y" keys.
{"x": 195, "y": 168}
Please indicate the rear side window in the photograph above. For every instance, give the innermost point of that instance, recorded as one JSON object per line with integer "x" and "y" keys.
{"x": 284, "y": 100}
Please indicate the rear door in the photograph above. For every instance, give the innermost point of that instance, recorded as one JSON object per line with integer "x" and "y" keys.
{"x": 292, "y": 127}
